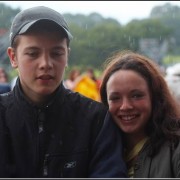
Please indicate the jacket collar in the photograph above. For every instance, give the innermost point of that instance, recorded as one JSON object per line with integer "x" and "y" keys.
{"x": 58, "y": 96}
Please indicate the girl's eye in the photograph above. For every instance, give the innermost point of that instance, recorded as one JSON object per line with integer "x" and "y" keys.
{"x": 137, "y": 96}
{"x": 114, "y": 98}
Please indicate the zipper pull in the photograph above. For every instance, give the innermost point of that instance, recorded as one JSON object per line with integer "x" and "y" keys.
{"x": 41, "y": 120}
{"x": 45, "y": 166}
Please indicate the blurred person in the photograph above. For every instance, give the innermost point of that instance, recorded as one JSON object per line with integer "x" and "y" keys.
{"x": 4, "y": 81}
{"x": 91, "y": 74}
{"x": 134, "y": 90}
{"x": 86, "y": 85}
{"x": 71, "y": 81}
{"x": 3, "y": 76}
{"x": 48, "y": 131}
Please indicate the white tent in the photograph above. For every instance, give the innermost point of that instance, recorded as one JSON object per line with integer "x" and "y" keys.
{"x": 173, "y": 80}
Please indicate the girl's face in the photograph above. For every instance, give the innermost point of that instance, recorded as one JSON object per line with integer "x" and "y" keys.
{"x": 129, "y": 101}
{"x": 40, "y": 59}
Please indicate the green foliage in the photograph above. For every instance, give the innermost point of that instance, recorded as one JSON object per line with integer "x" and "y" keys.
{"x": 148, "y": 28}
{"x": 88, "y": 21}
{"x": 169, "y": 15}
{"x": 165, "y": 11}
{"x": 95, "y": 38}
{"x": 6, "y": 15}
{"x": 171, "y": 59}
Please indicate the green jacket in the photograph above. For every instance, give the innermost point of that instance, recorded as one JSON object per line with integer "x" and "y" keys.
{"x": 165, "y": 164}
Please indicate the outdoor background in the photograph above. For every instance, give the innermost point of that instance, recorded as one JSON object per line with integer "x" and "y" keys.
{"x": 96, "y": 36}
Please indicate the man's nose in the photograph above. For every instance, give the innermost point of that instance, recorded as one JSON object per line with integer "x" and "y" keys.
{"x": 46, "y": 62}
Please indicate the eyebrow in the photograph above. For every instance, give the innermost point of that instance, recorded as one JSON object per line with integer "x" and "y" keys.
{"x": 58, "y": 48}
{"x": 53, "y": 48}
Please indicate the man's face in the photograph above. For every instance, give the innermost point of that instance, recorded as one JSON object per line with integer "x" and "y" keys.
{"x": 41, "y": 58}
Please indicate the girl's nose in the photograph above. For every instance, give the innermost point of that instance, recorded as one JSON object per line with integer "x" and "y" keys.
{"x": 126, "y": 104}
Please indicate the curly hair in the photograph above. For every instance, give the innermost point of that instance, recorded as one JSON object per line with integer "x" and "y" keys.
{"x": 164, "y": 123}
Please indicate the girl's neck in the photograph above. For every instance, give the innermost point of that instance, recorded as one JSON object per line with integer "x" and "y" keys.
{"x": 132, "y": 140}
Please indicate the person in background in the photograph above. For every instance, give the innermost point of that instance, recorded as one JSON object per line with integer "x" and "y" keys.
{"x": 3, "y": 76}
{"x": 4, "y": 81}
{"x": 48, "y": 131}
{"x": 86, "y": 85}
{"x": 71, "y": 81}
{"x": 135, "y": 91}
{"x": 91, "y": 74}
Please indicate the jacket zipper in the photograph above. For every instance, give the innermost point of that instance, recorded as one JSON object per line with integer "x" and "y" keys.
{"x": 41, "y": 159}
{"x": 45, "y": 166}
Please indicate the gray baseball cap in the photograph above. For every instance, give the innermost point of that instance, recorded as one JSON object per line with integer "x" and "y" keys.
{"x": 26, "y": 18}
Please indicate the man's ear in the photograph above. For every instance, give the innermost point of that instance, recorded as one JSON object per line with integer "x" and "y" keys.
{"x": 12, "y": 56}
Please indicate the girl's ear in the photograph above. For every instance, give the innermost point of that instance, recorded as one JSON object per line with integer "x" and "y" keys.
{"x": 12, "y": 56}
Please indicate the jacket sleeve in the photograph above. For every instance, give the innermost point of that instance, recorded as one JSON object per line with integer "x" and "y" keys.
{"x": 106, "y": 155}
{"x": 4, "y": 155}
{"x": 176, "y": 161}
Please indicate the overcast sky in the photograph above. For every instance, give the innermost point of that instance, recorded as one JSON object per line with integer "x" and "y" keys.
{"x": 123, "y": 11}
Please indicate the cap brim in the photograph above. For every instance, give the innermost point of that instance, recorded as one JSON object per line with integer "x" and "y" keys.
{"x": 30, "y": 24}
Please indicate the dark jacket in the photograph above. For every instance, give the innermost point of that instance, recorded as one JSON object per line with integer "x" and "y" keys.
{"x": 165, "y": 164}
{"x": 71, "y": 137}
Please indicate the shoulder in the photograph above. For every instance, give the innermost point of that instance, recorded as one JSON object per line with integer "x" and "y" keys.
{"x": 166, "y": 161}
{"x": 6, "y": 98}
{"x": 5, "y": 101}
{"x": 175, "y": 150}
{"x": 175, "y": 159}
{"x": 85, "y": 106}
{"x": 83, "y": 101}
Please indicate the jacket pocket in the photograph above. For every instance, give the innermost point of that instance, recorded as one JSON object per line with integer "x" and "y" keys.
{"x": 66, "y": 165}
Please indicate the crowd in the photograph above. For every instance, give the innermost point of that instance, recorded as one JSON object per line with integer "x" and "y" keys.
{"x": 124, "y": 125}
{"x": 4, "y": 81}
{"x": 85, "y": 83}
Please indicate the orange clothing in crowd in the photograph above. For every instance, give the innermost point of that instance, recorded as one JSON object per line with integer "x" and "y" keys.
{"x": 87, "y": 87}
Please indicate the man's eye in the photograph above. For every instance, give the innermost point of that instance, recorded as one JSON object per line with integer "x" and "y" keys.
{"x": 31, "y": 54}
{"x": 57, "y": 54}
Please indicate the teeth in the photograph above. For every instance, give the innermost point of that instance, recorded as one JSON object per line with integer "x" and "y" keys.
{"x": 127, "y": 118}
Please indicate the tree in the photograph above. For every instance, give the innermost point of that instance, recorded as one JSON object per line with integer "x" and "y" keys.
{"x": 169, "y": 15}
{"x": 6, "y": 15}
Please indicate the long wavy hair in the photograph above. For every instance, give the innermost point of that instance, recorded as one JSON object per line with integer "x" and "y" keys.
{"x": 164, "y": 123}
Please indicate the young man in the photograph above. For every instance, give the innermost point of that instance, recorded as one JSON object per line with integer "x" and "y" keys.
{"x": 47, "y": 131}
